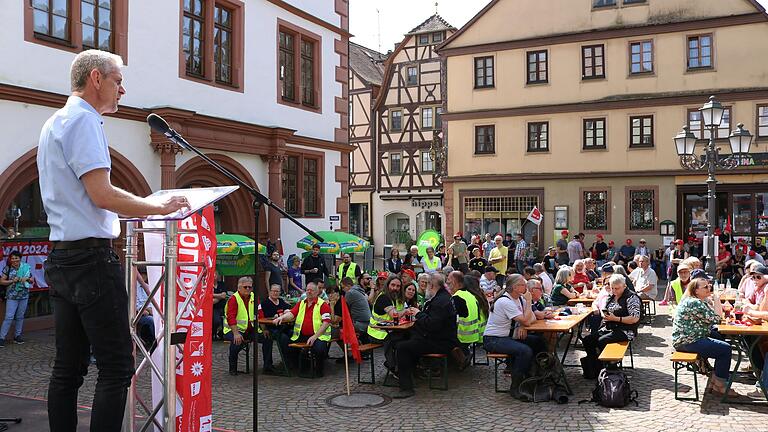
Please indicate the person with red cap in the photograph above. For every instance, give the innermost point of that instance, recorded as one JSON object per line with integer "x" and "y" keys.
{"x": 610, "y": 254}
{"x": 692, "y": 247}
{"x": 626, "y": 253}
{"x": 756, "y": 256}
{"x": 562, "y": 248}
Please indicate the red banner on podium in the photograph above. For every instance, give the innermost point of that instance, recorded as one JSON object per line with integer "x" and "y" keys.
{"x": 193, "y": 376}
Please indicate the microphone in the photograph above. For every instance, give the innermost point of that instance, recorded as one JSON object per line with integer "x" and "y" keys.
{"x": 158, "y": 124}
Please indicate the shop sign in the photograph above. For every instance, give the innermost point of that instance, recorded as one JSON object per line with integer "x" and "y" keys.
{"x": 426, "y": 203}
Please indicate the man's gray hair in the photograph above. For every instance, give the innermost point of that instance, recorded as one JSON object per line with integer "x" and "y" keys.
{"x": 538, "y": 267}
{"x": 422, "y": 276}
{"x": 244, "y": 279}
{"x": 533, "y": 283}
{"x": 89, "y": 60}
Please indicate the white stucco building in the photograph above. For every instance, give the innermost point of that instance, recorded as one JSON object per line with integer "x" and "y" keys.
{"x": 260, "y": 86}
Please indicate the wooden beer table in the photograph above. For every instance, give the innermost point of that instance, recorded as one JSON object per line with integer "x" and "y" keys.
{"x": 561, "y": 326}
{"x": 586, "y": 300}
{"x": 738, "y": 335}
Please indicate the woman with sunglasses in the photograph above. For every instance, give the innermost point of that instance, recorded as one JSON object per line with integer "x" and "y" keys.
{"x": 691, "y": 330}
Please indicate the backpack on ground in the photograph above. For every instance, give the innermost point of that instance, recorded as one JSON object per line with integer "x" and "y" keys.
{"x": 613, "y": 390}
{"x": 546, "y": 384}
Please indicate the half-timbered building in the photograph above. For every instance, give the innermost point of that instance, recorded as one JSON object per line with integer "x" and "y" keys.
{"x": 408, "y": 196}
{"x": 366, "y": 72}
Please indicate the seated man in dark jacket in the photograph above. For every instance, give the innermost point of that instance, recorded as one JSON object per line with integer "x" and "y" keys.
{"x": 434, "y": 332}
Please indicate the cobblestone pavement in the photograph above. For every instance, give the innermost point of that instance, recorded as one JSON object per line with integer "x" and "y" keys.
{"x": 469, "y": 404}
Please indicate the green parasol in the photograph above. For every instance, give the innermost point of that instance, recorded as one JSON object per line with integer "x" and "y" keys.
{"x": 428, "y": 238}
{"x": 335, "y": 242}
{"x": 234, "y": 254}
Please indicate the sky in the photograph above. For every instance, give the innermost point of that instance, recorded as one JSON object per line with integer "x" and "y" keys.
{"x": 397, "y": 17}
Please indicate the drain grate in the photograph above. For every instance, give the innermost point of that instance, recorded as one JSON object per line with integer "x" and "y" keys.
{"x": 358, "y": 400}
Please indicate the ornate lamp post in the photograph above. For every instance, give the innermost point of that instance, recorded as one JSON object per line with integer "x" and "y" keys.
{"x": 685, "y": 144}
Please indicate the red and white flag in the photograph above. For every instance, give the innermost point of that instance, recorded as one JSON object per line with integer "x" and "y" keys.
{"x": 535, "y": 216}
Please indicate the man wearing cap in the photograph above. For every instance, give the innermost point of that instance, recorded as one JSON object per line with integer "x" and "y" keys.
{"x": 600, "y": 249}
{"x": 488, "y": 281}
{"x": 575, "y": 250}
{"x": 753, "y": 255}
{"x": 626, "y": 253}
{"x": 676, "y": 288}
{"x": 642, "y": 249}
{"x": 562, "y": 248}
{"x": 458, "y": 253}
{"x": 756, "y": 296}
{"x": 610, "y": 254}
{"x": 408, "y": 277}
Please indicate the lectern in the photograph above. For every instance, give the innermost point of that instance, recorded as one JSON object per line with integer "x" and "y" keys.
{"x": 164, "y": 369}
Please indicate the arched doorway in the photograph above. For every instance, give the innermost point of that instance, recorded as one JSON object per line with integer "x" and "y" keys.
{"x": 22, "y": 215}
{"x": 428, "y": 220}
{"x": 234, "y": 214}
{"x": 398, "y": 230}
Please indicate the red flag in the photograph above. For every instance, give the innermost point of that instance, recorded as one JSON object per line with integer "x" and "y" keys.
{"x": 535, "y": 216}
{"x": 348, "y": 335}
{"x": 728, "y": 227}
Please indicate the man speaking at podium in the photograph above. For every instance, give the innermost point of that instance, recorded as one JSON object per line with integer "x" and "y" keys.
{"x": 87, "y": 283}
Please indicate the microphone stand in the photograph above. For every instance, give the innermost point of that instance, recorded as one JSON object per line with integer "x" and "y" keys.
{"x": 258, "y": 200}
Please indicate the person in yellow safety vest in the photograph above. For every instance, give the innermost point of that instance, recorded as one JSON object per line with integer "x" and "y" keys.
{"x": 386, "y": 309}
{"x": 431, "y": 262}
{"x": 240, "y": 320}
{"x": 312, "y": 325}
{"x": 471, "y": 307}
{"x": 348, "y": 269}
{"x": 679, "y": 284}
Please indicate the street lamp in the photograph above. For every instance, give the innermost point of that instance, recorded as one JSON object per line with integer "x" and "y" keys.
{"x": 685, "y": 143}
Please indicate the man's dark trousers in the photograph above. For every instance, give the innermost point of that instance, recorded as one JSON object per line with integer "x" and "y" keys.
{"x": 90, "y": 313}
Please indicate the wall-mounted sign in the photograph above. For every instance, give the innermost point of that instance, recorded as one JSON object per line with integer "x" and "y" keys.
{"x": 334, "y": 218}
{"x": 426, "y": 203}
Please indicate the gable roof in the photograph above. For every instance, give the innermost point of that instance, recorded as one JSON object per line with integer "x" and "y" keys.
{"x": 431, "y": 24}
{"x": 755, "y": 3}
{"x": 367, "y": 63}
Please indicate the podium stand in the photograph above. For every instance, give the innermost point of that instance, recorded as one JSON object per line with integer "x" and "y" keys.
{"x": 165, "y": 371}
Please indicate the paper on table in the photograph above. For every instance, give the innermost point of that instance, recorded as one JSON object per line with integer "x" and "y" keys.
{"x": 197, "y": 197}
